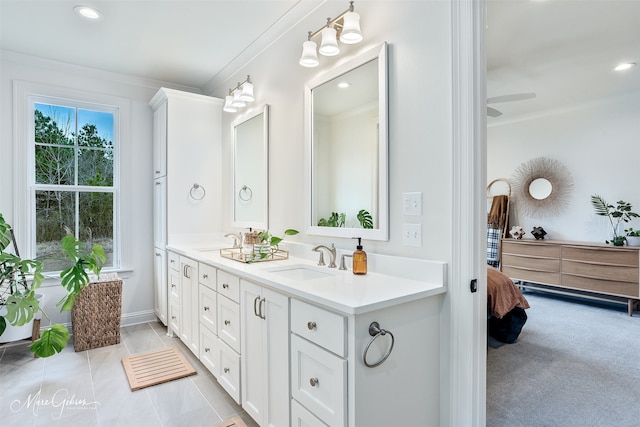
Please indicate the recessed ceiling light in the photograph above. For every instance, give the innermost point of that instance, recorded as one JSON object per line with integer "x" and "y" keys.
{"x": 344, "y": 85}
{"x": 624, "y": 66}
{"x": 88, "y": 12}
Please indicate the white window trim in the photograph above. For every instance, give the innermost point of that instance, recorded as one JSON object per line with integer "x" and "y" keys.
{"x": 24, "y": 94}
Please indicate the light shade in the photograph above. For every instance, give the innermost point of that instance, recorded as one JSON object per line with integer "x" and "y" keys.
{"x": 351, "y": 30}
{"x": 237, "y": 102}
{"x": 228, "y": 107}
{"x": 309, "y": 56}
{"x": 329, "y": 46}
{"x": 247, "y": 92}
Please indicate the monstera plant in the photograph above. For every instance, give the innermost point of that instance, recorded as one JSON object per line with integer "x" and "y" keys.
{"x": 21, "y": 278}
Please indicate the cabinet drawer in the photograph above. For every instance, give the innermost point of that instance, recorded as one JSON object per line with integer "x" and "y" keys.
{"x": 207, "y": 275}
{"x": 173, "y": 260}
{"x": 229, "y": 322}
{"x": 174, "y": 317}
{"x": 174, "y": 286}
{"x": 530, "y": 249}
{"x": 601, "y": 271}
{"x": 601, "y": 255}
{"x": 551, "y": 265}
{"x": 609, "y": 287}
{"x": 207, "y": 308}
{"x": 229, "y": 285}
{"x": 209, "y": 351}
{"x": 319, "y": 381}
{"x": 301, "y": 417}
{"x": 531, "y": 275}
{"x": 229, "y": 377}
{"x": 320, "y": 326}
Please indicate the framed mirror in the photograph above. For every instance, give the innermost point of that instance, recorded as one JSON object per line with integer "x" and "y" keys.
{"x": 346, "y": 149}
{"x": 250, "y": 150}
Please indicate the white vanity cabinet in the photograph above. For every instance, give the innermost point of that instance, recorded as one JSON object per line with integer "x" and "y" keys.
{"x": 265, "y": 356}
{"x": 186, "y": 144}
{"x": 173, "y": 279}
{"x": 207, "y": 313}
{"x": 228, "y": 315}
{"x": 189, "y": 328}
{"x": 161, "y": 296}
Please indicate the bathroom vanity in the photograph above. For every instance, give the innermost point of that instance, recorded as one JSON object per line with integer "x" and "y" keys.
{"x": 298, "y": 344}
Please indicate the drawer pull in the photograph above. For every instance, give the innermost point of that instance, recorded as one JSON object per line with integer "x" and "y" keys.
{"x": 226, "y": 370}
{"x": 206, "y": 308}
{"x": 227, "y": 322}
{"x": 376, "y": 331}
{"x": 173, "y": 317}
{"x": 173, "y": 286}
{"x": 207, "y": 349}
{"x": 205, "y": 276}
{"x": 314, "y": 382}
{"x": 311, "y": 325}
{"x": 225, "y": 286}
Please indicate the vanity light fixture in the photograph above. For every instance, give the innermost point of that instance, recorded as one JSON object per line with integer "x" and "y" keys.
{"x": 345, "y": 27}
{"x": 239, "y": 96}
{"x": 624, "y": 66}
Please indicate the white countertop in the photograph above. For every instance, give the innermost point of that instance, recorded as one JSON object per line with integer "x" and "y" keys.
{"x": 340, "y": 290}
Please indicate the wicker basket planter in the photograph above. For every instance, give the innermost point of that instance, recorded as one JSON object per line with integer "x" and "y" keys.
{"x": 95, "y": 317}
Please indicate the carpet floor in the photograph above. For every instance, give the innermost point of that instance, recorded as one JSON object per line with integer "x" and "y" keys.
{"x": 575, "y": 363}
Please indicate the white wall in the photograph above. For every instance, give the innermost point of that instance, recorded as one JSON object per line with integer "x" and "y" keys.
{"x": 419, "y": 37}
{"x": 137, "y": 188}
{"x": 598, "y": 143}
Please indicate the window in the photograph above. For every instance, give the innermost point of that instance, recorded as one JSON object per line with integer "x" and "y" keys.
{"x": 73, "y": 177}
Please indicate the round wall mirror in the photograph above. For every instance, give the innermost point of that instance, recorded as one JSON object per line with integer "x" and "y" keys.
{"x": 540, "y": 188}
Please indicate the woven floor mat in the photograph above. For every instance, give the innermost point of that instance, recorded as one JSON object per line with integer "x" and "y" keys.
{"x": 156, "y": 367}
{"x": 231, "y": 422}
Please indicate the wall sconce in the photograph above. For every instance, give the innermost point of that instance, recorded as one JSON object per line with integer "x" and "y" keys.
{"x": 345, "y": 27}
{"x": 239, "y": 96}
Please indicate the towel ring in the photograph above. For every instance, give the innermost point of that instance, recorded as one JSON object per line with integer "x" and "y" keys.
{"x": 375, "y": 331}
{"x": 195, "y": 189}
{"x": 245, "y": 193}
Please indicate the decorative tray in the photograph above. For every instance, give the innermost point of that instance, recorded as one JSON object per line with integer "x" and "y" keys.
{"x": 257, "y": 255}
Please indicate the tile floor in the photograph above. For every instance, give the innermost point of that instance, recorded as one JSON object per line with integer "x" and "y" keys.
{"x": 90, "y": 388}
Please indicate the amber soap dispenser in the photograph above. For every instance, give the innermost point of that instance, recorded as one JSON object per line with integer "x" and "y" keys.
{"x": 359, "y": 259}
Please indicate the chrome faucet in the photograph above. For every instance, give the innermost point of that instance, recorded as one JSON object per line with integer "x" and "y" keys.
{"x": 237, "y": 239}
{"x": 343, "y": 265}
{"x": 332, "y": 255}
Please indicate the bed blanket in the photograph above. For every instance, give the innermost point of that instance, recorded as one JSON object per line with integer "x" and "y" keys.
{"x": 502, "y": 294}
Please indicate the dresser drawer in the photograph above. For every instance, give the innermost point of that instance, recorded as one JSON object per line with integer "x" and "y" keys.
{"x": 608, "y": 287}
{"x": 229, "y": 322}
{"x": 207, "y": 275}
{"x": 319, "y": 381}
{"x": 174, "y": 317}
{"x": 229, "y": 377}
{"x": 600, "y": 271}
{"x": 531, "y": 275}
{"x": 611, "y": 256}
{"x": 174, "y": 286}
{"x": 173, "y": 261}
{"x": 229, "y": 286}
{"x": 551, "y": 265}
{"x": 209, "y": 351}
{"x": 207, "y": 308}
{"x": 530, "y": 248}
{"x": 320, "y": 326}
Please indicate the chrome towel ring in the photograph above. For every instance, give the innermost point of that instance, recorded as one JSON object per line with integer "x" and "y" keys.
{"x": 197, "y": 192}
{"x": 375, "y": 331}
{"x": 245, "y": 193}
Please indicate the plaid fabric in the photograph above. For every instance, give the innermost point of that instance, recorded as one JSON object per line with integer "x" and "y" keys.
{"x": 493, "y": 239}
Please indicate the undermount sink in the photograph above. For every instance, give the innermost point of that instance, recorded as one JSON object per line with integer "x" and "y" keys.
{"x": 300, "y": 272}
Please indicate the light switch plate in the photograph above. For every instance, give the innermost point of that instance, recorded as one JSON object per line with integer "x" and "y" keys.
{"x": 412, "y": 235}
{"x": 412, "y": 203}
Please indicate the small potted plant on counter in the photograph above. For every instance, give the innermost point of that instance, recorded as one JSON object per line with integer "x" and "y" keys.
{"x": 633, "y": 237}
{"x": 617, "y": 215}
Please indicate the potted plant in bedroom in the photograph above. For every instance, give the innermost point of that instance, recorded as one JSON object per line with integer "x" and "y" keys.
{"x": 617, "y": 214}
{"x": 632, "y": 237}
{"x": 20, "y": 279}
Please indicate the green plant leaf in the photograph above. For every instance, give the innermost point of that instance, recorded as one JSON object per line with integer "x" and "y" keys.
{"x": 74, "y": 278}
{"x": 365, "y": 219}
{"x": 67, "y": 303}
{"x": 21, "y": 308}
{"x": 51, "y": 341}
{"x": 290, "y": 232}
{"x": 3, "y": 325}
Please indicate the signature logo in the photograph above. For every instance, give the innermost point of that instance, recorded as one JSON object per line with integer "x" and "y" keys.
{"x": 61, "y": 400}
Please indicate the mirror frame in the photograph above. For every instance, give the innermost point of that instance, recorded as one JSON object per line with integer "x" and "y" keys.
{"x": 381, "y": 233}
{"x": 264, "y": 224}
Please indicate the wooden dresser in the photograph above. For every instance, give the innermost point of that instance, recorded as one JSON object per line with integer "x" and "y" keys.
{"x": 599, "y": 269}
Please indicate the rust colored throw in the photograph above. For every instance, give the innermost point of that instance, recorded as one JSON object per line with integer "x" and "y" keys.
{"x": 156, "y": 367}
{"x": 231, "y": 422}
{"x": 502, "y": 294}
{"x": 498, "y": 212}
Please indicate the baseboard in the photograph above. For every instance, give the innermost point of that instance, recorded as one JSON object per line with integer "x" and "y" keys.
{"x": 138, "y": 317}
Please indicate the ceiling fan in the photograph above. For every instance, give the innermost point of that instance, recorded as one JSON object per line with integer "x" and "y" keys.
{"x": 492, "y": 112}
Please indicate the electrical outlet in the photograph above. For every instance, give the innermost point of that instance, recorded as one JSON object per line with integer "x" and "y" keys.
{"x": 412, "y": 203}
{"x": 412, "y": 235}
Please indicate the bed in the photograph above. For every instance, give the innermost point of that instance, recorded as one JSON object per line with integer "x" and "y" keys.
{"x": 505, "y": 306}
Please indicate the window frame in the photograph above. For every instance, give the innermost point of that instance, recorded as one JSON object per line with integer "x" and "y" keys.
{"x": 26, "y": 95}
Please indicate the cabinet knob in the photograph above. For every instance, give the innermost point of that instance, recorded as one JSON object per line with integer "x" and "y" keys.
{"x": 227, "y": 322}
{"x": 225, "y": 286}
{"x": 172, "y": 261}
{"x": 226, "y": 370}
{"x": 157, "y": 171}
{"x": 311, "y": 325}
{"x": 313, "y": 382}
{"x": 173, "y": 286}
{"x": 173, "y": 317}
{"x": 207, "y": 349}
{"x": 205, "y": 276}
{"x": 157, "y": 253}
{"x": 206, "y": 308}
